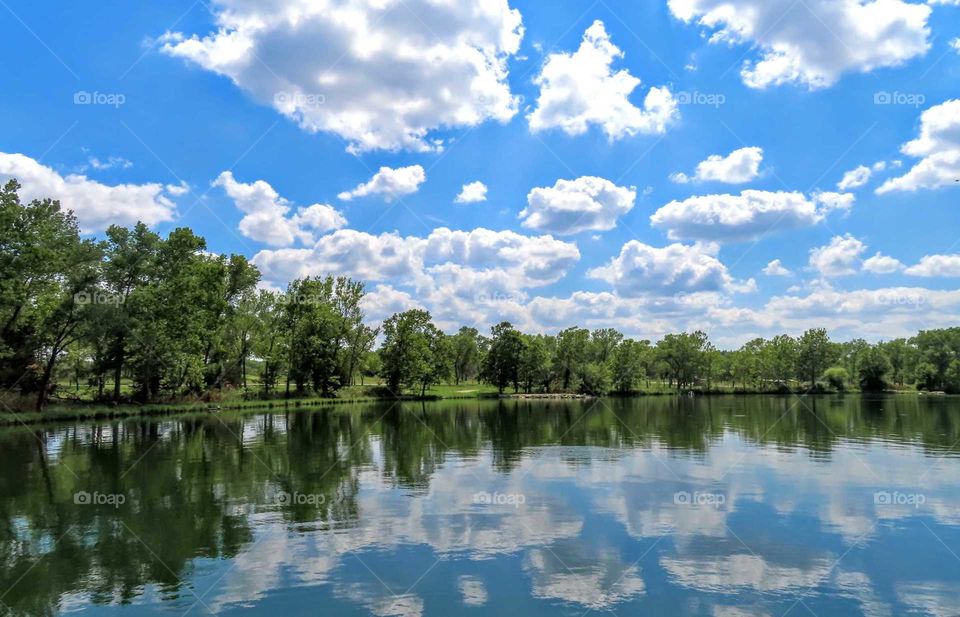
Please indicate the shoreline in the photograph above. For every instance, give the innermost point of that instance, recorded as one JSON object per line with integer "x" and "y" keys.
{"x": 89, "y": 412}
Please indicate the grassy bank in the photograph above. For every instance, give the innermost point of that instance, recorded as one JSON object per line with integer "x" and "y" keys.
{"x": 10, "y": 414}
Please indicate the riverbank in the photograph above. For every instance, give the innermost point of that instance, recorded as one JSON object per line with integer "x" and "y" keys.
{"x": 87, "y": 411}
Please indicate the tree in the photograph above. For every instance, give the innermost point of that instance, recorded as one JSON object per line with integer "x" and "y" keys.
{"x": 837, "y": 377}
{"x": 873, "y": 369}
{"x": 501, "y": 366}
{"x": 414, "y": 352}
{"x": 627, "y": 365}
{"x": 684, "y": 356}
{"x": 466, "y": 354}
{"x": 814, "y": 353}
{"x": 534, "y": 369}
{"x": 572, "y": 348}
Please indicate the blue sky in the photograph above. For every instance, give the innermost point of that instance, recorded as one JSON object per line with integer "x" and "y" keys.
{"x": 249, "y": 121}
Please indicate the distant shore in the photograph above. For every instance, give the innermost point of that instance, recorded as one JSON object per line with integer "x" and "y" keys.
{"x": 90, "y": 411}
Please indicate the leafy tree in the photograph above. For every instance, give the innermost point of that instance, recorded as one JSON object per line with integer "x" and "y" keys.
{"x": 414, "y": 352}
{"x": 534, "y": 369}
{"x": 684, "y": 356}
{"x": 873, "y": 369}
{"x": 837, "y": 377}
{"x": 814, "y": 353}
{"x": 466, "y": 354}
{"x": 572, "y": 348}
{"x": 501, "y": 365}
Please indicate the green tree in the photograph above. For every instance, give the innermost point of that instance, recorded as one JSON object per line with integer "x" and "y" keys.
{"x": 684, "y": 356}
{"x": 874, "y": 367}
{"x": 501, "y": 365}
{"x": 414, "y": 352}
{"x": 571, "y": 353}
{"x": 815, "y": 352}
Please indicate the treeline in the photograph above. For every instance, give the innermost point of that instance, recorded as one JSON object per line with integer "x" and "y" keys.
{"x": 138, "y": 317}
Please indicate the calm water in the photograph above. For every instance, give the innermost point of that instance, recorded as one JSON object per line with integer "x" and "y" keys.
{"x": 724, "y": 506}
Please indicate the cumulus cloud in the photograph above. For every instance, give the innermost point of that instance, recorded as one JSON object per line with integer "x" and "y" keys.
{"x": 882, "y": 264}
{"x": 813, "y": 43}
{"x": 749, "y": 215}
{"x": 505, "y": 258}
{"x": 838, "y": 258}
{"x": 266, "y": 214}
{"x": 96, "y": 205}
{"x": 739, "y": 166}
{"x": 380, "y": 75}
{"x": 389, "y": 183}
{"x": 581, "y": 89}
{"x": 955, "y": 43}
{"x": 937, "y": 147}
{"x": 473, "y": 192}
{"x": 572, "y": 206}
{"x": 641, "y": 269}
{"x": 936, "y": 265}
{"x": 775, "y": 268}
{"x": 855, "y": 178}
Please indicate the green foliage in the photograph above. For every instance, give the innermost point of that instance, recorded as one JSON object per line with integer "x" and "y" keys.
{"x": 415, "y": 352}
{"x": 837, "y": 377}
{"x": 874, "y": 367}
{"x": 501, "y": 365}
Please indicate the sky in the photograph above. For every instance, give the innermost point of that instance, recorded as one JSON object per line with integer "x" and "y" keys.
{"x": 745, "y": 167}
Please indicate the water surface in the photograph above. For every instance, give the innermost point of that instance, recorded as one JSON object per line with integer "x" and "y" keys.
{"x": 724, "y": 506}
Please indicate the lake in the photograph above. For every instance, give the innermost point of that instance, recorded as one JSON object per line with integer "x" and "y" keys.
{"x": 723, "y": 506}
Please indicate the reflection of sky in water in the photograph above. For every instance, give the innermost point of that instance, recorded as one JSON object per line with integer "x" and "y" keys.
{"x": 601, "y": 528}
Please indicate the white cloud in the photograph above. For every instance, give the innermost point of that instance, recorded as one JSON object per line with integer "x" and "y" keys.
{"x": 390, "y": 183}
{"x": 579, "y": 89}
{"x": 775, "y": 268}
{"x": 472, "y": 193}
{"x": 506, "y": 258}
{"x": 641, "y": 269}
{"x": 882, "y": 264}
{"x": 109, "y": 163}
{"x": 955, "y": 43}
{"x": 813, "y": 43}
{"x": 830, "y": 201}
{"x": 572, "y": 206}
{"x": 839, "y": 258}
{"x": 381, "y": 75}
{"x": 96, "y": 205}
{"x": 266, "y": 213}
{"x": 855, "y": 178}
{"x": 938, "y": 147}
{"x": 936, "y": 265}
{"x": 734, "y": 218}
{"x": 739, "y": 166}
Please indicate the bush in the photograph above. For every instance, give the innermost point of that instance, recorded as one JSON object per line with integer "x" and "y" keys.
{"x": 837, "y": 378}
